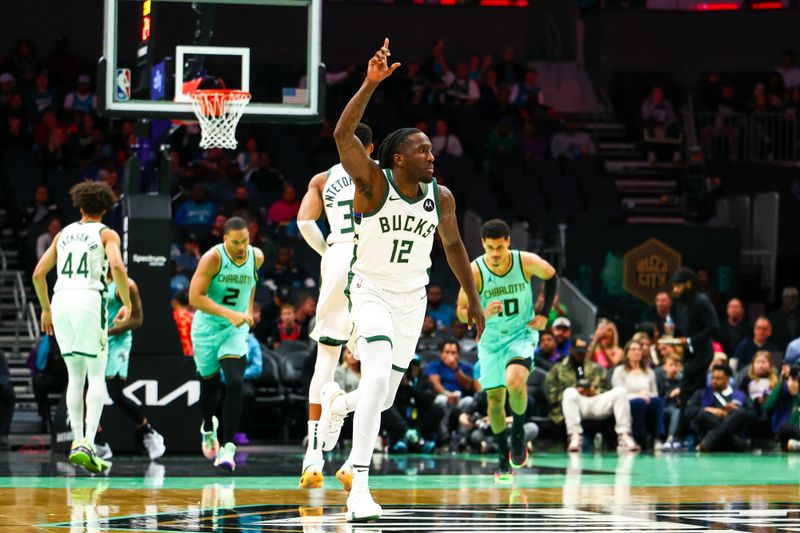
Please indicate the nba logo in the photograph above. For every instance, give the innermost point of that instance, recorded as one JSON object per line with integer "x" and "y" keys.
{"x": 123, "y": 84}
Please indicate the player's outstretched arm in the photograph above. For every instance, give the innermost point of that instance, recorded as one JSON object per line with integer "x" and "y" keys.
{"x": 137, "y": 313}
{"x": 43, "y": 267}
{"x": 310, "y": 210}
{"x": 533, "y": 265}
{"x": 368, "y": 178}
{"x": 111, "y": 242}
{"x": 458, "y": 259}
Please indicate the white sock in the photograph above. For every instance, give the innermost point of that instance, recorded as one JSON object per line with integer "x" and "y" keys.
{"x": 361, "y": 474}
{"x": 76, "y": 370}
{"x": 95, "y": 395}
{"x": 314, "y": 449}
{"x": 376, "y": 366}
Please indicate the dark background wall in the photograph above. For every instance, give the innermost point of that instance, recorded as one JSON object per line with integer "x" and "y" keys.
{"x": 349, "y": 31}
{"x": 687, "y": 44}
{"x": 684, "y": 43}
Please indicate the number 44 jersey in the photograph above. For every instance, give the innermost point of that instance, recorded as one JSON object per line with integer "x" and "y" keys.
{"x": 394, "y": 241}
{"x": 81, "y": 257}
{"x": 232, "y": 285}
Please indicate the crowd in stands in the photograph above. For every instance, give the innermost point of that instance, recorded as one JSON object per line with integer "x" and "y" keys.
{"x": 757, "y": 112}
{"x": 488, "y": 115}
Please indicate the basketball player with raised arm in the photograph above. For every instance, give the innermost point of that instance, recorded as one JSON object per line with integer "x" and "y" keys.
{"x": 331, "y": 192}
{"x": 399, "y": 208}
{"x": 82, "y": 253}
{"x": 505, "y": 351}
{"x": 222, "y": 290}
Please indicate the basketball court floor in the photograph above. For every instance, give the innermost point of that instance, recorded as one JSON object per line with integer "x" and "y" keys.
{"x": 442, "y": 493}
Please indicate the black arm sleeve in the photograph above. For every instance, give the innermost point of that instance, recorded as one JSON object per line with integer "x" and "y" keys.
{"x": 550, "y": 289}
{"x": 710, "y": 327}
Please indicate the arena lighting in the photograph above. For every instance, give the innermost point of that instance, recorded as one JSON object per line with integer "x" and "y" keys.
{"x": 767, "y": 5}
{"x": 504, "y": 3}
{"x": 716, "y": 7}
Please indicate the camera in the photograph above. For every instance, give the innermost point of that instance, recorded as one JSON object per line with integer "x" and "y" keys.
{"x": 794, "y": 372}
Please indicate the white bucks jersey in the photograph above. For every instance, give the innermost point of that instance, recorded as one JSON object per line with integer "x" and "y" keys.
{"x": 81, "y": 257}
{"x": 337, "y": 196}
{"x": 394, "y": 241}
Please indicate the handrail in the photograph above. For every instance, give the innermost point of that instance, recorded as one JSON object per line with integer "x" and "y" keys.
{"x": 32, "y": 322}
{"x": 689, "y": 123}
{"x": 766, "y": 136}
{"x": 553, "y": 39}
{"x": 20, "y": 299}
{"x": 582, "y": 312}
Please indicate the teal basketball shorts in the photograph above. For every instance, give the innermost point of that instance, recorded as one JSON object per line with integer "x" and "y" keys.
{"x": 213, "y": 342}
{"x": 497, "y": 351}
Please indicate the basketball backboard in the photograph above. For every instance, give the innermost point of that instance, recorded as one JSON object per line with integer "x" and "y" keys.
{"x": 156, "y": 51}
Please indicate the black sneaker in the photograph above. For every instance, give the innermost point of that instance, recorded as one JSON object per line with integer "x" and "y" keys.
{"x": 518, "y": 456}
{"x": 504, "y": 474}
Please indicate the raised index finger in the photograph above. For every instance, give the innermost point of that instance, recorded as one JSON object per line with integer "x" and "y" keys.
{"x": 386, "y": 43}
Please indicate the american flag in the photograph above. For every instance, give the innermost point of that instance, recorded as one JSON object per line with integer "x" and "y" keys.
{"x": 295, "y": 95}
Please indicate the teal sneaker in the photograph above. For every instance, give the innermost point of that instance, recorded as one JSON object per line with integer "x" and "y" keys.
{"x": 225, "y": 457}
{"x": 210, "y": 442}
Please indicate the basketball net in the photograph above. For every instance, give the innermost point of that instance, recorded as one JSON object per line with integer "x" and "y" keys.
{"x": 218, "y": 111}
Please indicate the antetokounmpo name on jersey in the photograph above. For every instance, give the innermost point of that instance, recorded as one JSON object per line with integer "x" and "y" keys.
{"x": 332, "y": 190}
{"x": 409, "y": 223}
{"x": 505, "y": 290}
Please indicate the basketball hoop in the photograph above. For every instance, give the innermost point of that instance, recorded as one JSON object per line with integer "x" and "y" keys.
{"x": 218, "y": 111}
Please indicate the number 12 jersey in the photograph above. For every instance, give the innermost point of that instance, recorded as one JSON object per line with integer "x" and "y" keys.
{"x": 394, "y": 240}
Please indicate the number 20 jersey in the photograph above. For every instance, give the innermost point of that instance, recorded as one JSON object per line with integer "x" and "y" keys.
{"x": 394, "y": 241}
{"x": 231, "y": 287}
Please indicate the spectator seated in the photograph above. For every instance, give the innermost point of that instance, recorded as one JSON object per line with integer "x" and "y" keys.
{"x": 639, "y": 381}
{"x": 722, "y": 415}
{"x": 577, "y": 390}
{"x": 661, "y": 130}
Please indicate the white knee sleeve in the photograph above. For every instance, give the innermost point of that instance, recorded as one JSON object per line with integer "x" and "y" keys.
{"x": 324, "y": 369}
{"x": 95, "y": 395}
{"x": 394, "y": 383}
{"x": 76, "y": 370}
{"x": 376, "y": 367}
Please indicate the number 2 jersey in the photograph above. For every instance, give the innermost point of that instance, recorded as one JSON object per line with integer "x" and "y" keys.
{"x": 81, "y": 258}
{"x": 394, "y": 240}
{"x": 231, "y": 287}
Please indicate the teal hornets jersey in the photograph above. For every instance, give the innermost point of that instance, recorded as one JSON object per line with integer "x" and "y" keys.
{"x": 232, "y": 285}
{"x": 113, "y": 306}
{"x": 513, "y": 290}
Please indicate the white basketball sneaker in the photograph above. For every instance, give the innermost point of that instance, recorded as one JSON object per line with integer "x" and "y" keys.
{"x": 330, "y": 423}
{"x": 360, "y": 505}
{"x": 154, "y": 444}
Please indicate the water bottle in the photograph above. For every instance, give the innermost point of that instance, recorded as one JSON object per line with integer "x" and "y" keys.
{"x": 669, "y": 326}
